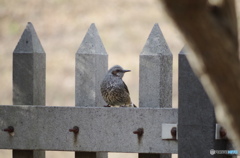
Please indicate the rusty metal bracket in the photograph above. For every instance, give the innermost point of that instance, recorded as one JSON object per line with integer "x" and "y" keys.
{"x": 169, "y": 131}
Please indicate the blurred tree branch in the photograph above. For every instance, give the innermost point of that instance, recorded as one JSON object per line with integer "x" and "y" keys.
{"x": 210, "y": 28}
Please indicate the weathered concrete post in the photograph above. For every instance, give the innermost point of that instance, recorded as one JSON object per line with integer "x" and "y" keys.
{"x": 29, "y": 70}
{"x": 91, "y": 67}
{"x": 155, "y": 86}
{"x": 196, "y": 118}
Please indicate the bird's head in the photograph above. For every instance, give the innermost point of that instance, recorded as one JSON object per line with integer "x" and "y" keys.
{"x": 117, "y": 71}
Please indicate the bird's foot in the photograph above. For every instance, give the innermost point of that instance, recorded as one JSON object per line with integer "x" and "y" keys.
{"x": 130, "y": 105}
{"x": 106, "y": 106}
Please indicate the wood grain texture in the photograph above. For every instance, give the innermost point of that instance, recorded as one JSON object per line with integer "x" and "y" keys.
{"x": 212, "y": 35}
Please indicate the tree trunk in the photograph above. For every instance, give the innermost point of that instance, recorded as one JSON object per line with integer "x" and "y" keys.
{"x": 211, "y": 32}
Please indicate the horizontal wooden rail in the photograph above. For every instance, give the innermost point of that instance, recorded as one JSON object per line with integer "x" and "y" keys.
{"x": 100, "y": 129}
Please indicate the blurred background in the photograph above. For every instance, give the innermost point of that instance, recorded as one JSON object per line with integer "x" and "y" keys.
{"x": 61, "y": 25}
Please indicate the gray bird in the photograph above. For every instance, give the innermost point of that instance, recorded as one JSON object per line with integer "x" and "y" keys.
{"x": 114, "y": 90}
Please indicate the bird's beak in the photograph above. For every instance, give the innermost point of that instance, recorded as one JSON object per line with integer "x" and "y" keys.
{"x": 126, "y": 71}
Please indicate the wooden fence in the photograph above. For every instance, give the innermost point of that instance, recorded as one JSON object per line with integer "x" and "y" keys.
{"x": 28, "y": 127}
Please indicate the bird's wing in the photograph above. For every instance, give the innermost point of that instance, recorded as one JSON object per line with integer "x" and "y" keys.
{"x": 125, "y": 86}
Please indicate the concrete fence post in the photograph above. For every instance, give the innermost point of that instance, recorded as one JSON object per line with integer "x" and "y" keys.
{"x": 91, "y": 67}
{"x": 196, "y": 118}
{"x": 29, "y": 70}
{"x": 155, "y": 86}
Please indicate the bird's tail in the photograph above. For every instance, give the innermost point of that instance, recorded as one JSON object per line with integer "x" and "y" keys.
{"x": 133, "y": 105}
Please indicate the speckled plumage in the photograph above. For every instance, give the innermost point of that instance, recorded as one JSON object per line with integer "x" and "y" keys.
{"x": 113, "y": 88}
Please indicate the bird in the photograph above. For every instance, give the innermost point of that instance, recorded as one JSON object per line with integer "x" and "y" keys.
{"x": 114, "y": 90}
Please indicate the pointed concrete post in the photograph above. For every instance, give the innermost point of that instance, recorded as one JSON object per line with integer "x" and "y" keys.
{"x": 196, "y": 118}
{"x": 155, "y": 72}
{"x": 155, "y": 86}
{"x": 29, "y": 75}
{"x": 91, "y": 67}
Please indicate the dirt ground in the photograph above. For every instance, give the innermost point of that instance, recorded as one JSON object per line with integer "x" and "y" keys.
{"x": 123, "y": 25}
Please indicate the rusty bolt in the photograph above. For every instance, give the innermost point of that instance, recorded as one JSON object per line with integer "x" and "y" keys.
{"x": 10, "y": 129}
{"x": 75, "y": 130}
{"x": 139, "y": 131}
{"x": 222, "y": 132}
{"x": 174, "y": 132}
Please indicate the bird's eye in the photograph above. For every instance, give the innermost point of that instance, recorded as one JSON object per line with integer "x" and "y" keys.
{"x": 115, "y": 72}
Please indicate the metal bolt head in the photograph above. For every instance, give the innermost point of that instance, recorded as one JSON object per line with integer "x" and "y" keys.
{"x": 10, "y": 129}
{"x": 75, "y": 130}
{"x": 139, "y": 131}
{"x": 174, "y": 132}
{"x": 222, "y": 132}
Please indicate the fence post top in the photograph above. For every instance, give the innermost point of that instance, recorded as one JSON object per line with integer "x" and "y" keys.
{"x": 156, "y": 43}
{"x": 92, "y": 43}
{"x": 29, "y": 41}
{"x": 185, "y": 50}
